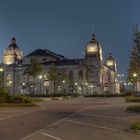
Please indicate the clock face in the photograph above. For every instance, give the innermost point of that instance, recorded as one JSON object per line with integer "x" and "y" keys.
{"x": 92, "y": 49}
{"x": 110, "y": 63}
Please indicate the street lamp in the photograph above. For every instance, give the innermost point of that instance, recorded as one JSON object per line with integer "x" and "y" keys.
{"x": 87, "y": 88}
{"x": 76, "y": 87}
{"x": 1, "y": 76}
{"x": 1, "y": 69}
{"x": 40, "y": 77}
{"x": 135, "y": 85}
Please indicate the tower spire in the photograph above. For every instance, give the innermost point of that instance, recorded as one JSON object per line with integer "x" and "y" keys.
{"x": 110, "y": 53}
{"x": 13, "y": 40}
{"x": 93, "y": 28}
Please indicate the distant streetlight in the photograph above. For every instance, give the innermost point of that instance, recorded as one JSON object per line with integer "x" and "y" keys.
{"x": 135, "y": 83}
{"x": 64, "y": 81}
{"x": 1, "y": 69}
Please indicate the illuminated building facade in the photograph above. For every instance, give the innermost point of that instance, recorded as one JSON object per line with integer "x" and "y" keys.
{"x": 89, "y": 75}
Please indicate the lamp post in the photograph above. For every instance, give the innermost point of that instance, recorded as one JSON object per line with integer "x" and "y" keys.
{"x": 1, "y": 76}
{"x": 40, "y": 77}
{"x": 135, "y": 85}
{"x": 1, "y": 69}
{"x": 86, "y": 88}
{"x": 75, "y": 87}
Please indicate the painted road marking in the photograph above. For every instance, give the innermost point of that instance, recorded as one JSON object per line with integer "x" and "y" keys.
{"x": 103, "y": 116}
{"x": 50, "y": 136}
{"x": 92, "y": 125}
{"x": 57, "y": 122}
{"x": 24, "y": 113}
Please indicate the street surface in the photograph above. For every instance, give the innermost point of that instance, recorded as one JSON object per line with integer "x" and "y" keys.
{"x": 74, "y": 119}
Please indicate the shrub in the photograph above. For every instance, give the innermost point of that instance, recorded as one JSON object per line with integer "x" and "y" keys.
{"x": 132, "y": 99}
{"x": 135, "y": 108}
{"x": 127, "y": 93}
{"x": 55, "y": 95}
{"x": 136, "y": 126}
{"x": 17, "y": 105}
{"x": 4, "y": 96}
{"x": 34, "y": 99}
{"x": 19, "y": 99}
{"x": 54, "y": 98}
{"x": 103, "y": 95}
{"x": 67, "y": 97}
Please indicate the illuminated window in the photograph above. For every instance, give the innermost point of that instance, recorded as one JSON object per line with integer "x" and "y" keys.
{"x": 8, "y": 77}
{"x": 9, "y": 80}
{"x": 46, "y": 76}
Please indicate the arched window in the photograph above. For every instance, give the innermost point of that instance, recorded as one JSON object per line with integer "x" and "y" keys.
{"x": 80, "y": 75}
{"x": 70, "y": 75}
{"x": 8, "y": 77}
{"x": 46, "y": 76}
{"x": 9, "y": 80}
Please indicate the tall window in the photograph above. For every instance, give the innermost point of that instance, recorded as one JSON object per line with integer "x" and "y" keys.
{"x": 80, "y": 75}
{"x": 46, "y": 79}
{"x": 70, "y": 75}
{"x": 46, "y": 76}
{"x": 9, "y": 80}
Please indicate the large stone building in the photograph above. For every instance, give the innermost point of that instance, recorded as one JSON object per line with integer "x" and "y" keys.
{"x": 88, "y": 75}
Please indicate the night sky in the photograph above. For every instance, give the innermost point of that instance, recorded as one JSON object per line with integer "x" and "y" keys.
{"x": 65, "y": 26}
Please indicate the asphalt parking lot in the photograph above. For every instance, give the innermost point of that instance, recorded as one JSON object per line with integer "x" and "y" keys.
{"x": 75, "y": 119}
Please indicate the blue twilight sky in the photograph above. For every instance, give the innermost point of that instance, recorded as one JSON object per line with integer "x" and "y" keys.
{"x": 65, "y": 26}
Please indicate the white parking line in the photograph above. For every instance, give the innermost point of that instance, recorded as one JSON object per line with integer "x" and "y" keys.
{"x": 50, "y": 136}
{"x": 11, "y": 116}
{"x": 133, "y": 117}
{"x": 103, "y": 116}
{"x": 92, "y": 125}
{"x": 57, "y": 122}
{"x": 20, "y": 114}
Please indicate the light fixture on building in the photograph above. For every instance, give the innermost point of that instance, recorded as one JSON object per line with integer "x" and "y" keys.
{"x": 86, "y": 84}
{"x": 40, "y": 76}
{"x": 64, "y": 81}
{"x": 118, "y": 75}
{"x": 75, "y": 84}
{"x": 10, "y": 82}
{"x": 125, "y": 84}
{"x": 23, "y": 84}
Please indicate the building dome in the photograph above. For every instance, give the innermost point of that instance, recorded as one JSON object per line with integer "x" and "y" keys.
{"x": 93, "y": 48}
{"x": 110, "y": 62}
{"x": 12, "y": 53}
